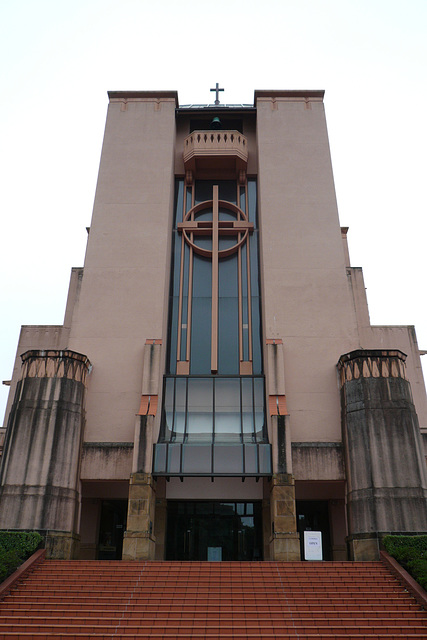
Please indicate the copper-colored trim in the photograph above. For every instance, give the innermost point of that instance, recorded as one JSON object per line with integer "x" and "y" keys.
{"x": 148, "y": 406}
{"x": 183, "y": 368}
{"x": 281, "y": 405}
{"x": 248, "y": 267}
{"x": 215, "y": 235}
{"x": 245, "y": 368}
{"x": 226, "y": 227}
{"x": 190, "y": 290}
{"x": 240, "y": 302}
{"x": 181, "y": 281}
{"x": 277, "y": 405}
{"x": 239, "y": 283}
{"x": 143, "y": 407}
{"x": 189, "y": 304}
{"x": 189, "y": 228}
{"x": 240, "y": 309}
{"x": 272, "y": 405}
{"x": 274, "y": 341}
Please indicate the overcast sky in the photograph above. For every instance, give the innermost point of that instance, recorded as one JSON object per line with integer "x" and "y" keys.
{"x": 59, "y": 58}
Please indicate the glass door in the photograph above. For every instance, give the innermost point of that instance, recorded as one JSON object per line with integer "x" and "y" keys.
{"x": 214, "y": 531}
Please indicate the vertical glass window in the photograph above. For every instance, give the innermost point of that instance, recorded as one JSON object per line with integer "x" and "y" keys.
{"x": 168, "y": 405}
{"x": 214, "y": 398}
{"x": 237, "y": 329}
{"x": 201, "y": 316}
{"x": 247, "y": 410}
{"x": 259, "y": 406}
{"x": 213, "y": 409}
{"x": 199, "y": 410}
{"x": 227, "y": 410}
{"x": 180, "y": 410}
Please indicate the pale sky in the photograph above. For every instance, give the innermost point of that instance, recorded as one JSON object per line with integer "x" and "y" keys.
{"x": 59, "y": 58}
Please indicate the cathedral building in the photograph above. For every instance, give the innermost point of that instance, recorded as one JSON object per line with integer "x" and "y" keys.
{"x": 216, "y": 389}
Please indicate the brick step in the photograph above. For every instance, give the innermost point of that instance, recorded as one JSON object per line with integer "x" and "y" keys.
{"x": 189, "y": 629}
{"x": 318, "y": 570}
{"x": 136, "y": 568}
{"x": 240, "y": 635}
{"x": 225, "y": 563}
{"x": 171, "y": 568}
{"x": 321, "y": 618}
{"x": 190, "y": 609}
{"x": 77, "y": 600}
{"x": 224, "y": 591}
{"x": 210, "y": 572}
{"x": 142, "y": 587}
{"x": 247, "y": 600}
{"x": 402, "y": 600}
{"x": 69, "y": 621}
{"x": 205, "y": 581}
{"x": 219, "y": 578}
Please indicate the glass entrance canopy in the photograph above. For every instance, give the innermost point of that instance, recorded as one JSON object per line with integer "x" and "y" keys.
{"x": 213, "y": 426}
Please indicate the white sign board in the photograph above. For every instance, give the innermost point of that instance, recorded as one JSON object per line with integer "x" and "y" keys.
{"x": 214, "y": 554}
{"x": 313, "y": 545}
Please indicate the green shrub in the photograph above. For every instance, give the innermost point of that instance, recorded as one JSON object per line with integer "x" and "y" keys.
{"x": 411, "y": 553}
{"x": 15, "y": 548}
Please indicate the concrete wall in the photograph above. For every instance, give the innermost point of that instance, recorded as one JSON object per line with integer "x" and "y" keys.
{"x": 306, "y": 295}
{"x": 318, "y": 461}
{"x": 106, "y": 461}
{"x": 123, "y": 299}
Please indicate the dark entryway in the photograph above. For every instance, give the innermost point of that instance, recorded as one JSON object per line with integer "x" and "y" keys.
{"x": 313, "y": 515}
{"x": 111, "y": 529}
{"x": 214, "y": 531}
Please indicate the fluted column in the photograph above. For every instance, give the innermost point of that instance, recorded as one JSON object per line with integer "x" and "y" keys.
{"x": 386, "y": 475}
{"x": 40, "y": 466}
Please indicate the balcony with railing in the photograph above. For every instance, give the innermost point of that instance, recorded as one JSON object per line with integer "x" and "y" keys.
{"x": 213, "y": 148}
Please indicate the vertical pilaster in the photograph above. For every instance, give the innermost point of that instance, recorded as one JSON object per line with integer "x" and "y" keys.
{"x": 139, "y": 540}
{"x": 284, "y": 542}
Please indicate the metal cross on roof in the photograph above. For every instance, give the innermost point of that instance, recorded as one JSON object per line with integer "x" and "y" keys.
{"x": 217, "y": 90}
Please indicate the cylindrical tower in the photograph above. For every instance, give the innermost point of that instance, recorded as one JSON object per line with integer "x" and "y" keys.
{"x": 40, "y": 467}
{"x": 386, "y": 478}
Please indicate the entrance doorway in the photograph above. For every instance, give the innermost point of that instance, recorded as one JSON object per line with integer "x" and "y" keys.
{"x": 313, "y": 515}
{"x": 111, "y": 529}
{"x": 200, "y": 531}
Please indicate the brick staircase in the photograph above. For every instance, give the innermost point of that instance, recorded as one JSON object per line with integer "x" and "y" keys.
{"x": 78, "y": 600}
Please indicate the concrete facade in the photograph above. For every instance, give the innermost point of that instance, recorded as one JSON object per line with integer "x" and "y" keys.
{"x": 328, "y": 458}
